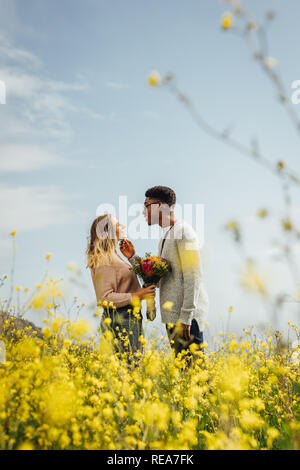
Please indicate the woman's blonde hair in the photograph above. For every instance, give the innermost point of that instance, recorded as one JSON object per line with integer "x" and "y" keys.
{"x": 101, "y": 249}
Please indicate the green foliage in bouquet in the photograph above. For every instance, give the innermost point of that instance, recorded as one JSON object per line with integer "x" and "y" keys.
{"x": 150, "y": 268}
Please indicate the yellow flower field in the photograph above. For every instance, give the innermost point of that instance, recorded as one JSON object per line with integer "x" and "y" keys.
{"x": 63, "y": 387}
{"x": 63, "y": 392}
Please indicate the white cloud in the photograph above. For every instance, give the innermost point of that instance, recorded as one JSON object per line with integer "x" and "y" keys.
{"x": 40, "y": 105}
{"x": 16, "y": 54}
{"x": 19, "y": 158}
{"x": 20, "y": 84}
{"x": 116, "y": 85}
{"x": 26, "y": 208}
{"x": 150, "y": 114}
{"x": 36, "y": 104}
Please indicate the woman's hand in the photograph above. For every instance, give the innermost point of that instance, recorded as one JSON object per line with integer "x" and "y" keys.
{"x": 145, "y": 291}
{"x": 127, "y": 248}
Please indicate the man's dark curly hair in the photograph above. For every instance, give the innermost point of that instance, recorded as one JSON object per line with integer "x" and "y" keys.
{"x": 163, "y": 194}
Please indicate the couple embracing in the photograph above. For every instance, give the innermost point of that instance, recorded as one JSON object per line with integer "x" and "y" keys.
{"x": 183, "y": 300}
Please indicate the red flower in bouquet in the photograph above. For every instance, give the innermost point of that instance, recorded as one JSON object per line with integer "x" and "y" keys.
{"x": 147, "y": 265}
{"x": 151, "y": 269}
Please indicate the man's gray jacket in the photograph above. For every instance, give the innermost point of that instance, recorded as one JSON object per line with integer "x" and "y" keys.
{"x": 182, "y": 293}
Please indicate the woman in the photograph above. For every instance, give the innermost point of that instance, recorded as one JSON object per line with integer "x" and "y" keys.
{"x": 115, "y": 283}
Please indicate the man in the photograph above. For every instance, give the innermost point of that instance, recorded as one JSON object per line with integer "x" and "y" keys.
{"x": 183, "y": 299}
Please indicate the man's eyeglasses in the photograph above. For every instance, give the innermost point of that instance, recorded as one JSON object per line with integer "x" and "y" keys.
{"x": 150, "y": 203}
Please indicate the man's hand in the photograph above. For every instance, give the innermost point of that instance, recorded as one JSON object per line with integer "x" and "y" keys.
{"x": 186, "y": 331}
{"x": 182, "y": 331}
{"x": 127, "y": 248}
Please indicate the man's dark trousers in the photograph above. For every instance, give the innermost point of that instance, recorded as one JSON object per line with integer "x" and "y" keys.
{"x": 179, "y": 343}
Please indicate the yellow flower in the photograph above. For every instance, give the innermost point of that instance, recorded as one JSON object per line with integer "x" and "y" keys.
{"x": 64, "y": 440}
{"x": 13, "y": 233}
{"x": 45, "y": 294}
{"x": 98, "y": 313}
{"x": 188, "y": 433}
{"x": 62, "y": 401}
{"x": 79, "y": 328}
{"x": 47, "y": 332}
{"x": 262, "y": 213}
{"x": 107, "y": 413}
{"x": 252, "y": 280}
{"x": 227, "y": 21}
{"x": 272, "y": 434}
{"x": 57, "y": 324}
{"x": 193, "y": 347}
{"x": 231, "y": 225}
{"x": 154, "y": 367}
{"x": 26, "y": 445}
{"x": 18, "y": 287}
{"x": 251, "y": 25}
{"x": 168, "y": 305}
{"x": 48, "y": 255}
{"x": 270, "y": 62}
{"x": 233, "y": 345}
{"x": 287, "y": 224}
{"x": 72, "y": 267}
{"x": 136, "y": 302}
{"x": 157, "y": 414}
{"x": 250, "y": 420}
{"x": 280, "y": 165}
{"x": 154, "y": 79}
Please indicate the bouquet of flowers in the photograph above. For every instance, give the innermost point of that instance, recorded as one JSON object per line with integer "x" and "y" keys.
{"x": 150, "y": 269}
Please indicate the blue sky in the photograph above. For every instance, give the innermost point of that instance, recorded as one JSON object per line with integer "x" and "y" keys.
{"x": 82, "y": 127}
